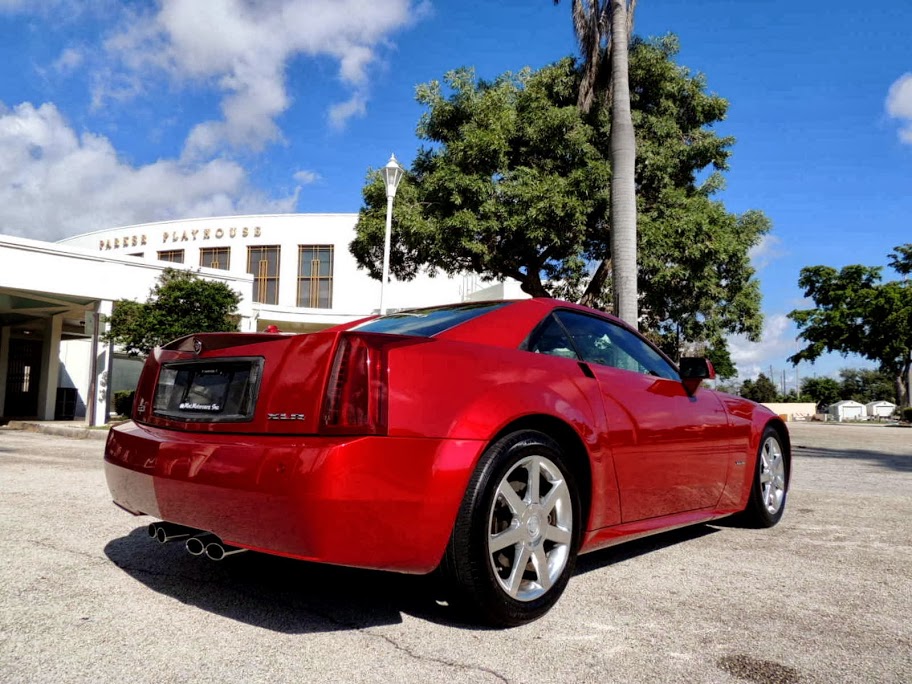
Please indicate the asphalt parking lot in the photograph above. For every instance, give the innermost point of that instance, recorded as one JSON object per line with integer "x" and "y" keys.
{"x": 826, "y": 596}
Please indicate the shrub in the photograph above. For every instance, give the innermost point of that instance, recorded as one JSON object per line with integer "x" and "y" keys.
{"x": 907, "y": 414}
{"x": 123, "y": 402}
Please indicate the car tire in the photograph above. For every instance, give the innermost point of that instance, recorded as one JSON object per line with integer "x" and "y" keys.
{"x": 769, "y": 488}
{"x": 514, "y": 544}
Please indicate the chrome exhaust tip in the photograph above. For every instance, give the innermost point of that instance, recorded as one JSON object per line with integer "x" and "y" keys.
{"x": 217, "y": 551}
{"x": 168, "y": 532}
{"x": 196, "y": 545}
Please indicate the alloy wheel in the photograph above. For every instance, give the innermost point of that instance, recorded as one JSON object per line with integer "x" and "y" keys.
{"x": 530, "y": 528}
{"x": 772, "y": 475}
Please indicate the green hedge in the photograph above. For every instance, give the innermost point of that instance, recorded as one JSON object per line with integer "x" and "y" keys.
{"x": 123, "y": 402}
{"x": 907, "y": 414}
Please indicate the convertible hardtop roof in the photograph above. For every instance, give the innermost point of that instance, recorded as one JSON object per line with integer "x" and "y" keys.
{"x": 495, "y": 322}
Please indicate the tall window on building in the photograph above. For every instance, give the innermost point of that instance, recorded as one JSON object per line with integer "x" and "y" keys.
{"x": 315, "y": 276}
{"x": 263, "y": 263}
{"x": 175, "y": 256}
{"x": 215, "y": 257}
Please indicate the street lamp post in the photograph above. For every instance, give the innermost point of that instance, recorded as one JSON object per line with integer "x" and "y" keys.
{"x": 392, "y": 174}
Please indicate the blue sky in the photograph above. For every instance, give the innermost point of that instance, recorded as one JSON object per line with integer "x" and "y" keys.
{"x": 116, "y": 113}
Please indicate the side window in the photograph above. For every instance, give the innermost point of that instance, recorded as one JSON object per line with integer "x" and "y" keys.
{"x": 550, "y": 338}
{"x": 607, "y": 344}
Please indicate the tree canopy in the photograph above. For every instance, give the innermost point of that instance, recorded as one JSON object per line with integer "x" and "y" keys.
{"x": 760, "y": 390}
{"x": 823, "y": 391}
{"x": 512, "y": 183}
{"x": 180, "y": 303}
{"x": 856, "y": 313}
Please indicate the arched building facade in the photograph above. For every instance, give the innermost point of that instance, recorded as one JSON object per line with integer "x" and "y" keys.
{"x": 293, "y": 271}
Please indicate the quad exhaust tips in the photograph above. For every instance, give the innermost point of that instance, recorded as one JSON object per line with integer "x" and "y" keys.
{"x": 198, "y": 543}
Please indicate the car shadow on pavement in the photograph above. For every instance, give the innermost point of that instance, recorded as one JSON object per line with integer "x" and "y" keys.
{"x": 279, "y": 594}
{"x": 898, "y": 462}
{"x": 629, "y": 550}
{"x": 297, "y": 597}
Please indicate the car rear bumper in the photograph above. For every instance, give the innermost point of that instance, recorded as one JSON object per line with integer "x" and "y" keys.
{"x": 375, "y": 502}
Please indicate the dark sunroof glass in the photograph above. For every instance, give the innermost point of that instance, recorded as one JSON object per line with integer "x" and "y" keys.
{"x": 428, "y": 322}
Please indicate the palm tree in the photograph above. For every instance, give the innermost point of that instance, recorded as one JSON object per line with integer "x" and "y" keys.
{"x": 603, "y": 30}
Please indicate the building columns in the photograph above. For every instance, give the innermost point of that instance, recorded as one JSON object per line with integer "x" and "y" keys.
{"x": 4, "y": 364}
{"x": 50, "y": 367}
{"x": 99, "y": 399}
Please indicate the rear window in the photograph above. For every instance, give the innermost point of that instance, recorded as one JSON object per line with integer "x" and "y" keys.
{"x": 428, "y": 322}
{"x": 212, "y": 391}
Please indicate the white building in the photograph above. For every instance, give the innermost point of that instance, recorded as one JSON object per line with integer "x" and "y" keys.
{"x": 880, "y": 409}
{"x": 847, "y": 410}
{"x": 793, "y": 410}
{"x": 304, "y": 277}
{"x": 292, "y": 270}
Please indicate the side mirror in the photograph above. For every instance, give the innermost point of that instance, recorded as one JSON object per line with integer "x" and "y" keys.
{"x": 694, "y": 370}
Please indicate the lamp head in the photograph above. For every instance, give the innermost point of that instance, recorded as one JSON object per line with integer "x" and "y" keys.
{"x": 392, "y": 175}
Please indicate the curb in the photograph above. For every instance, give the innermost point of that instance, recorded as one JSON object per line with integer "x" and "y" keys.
{"x": 61, "y": 430}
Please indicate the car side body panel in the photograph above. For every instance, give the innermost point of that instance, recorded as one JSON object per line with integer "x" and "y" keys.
{"x": 488, "y": 388}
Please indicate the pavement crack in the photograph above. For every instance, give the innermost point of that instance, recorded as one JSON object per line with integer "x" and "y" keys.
{"x": 432, "y": 659}
{"x": 61, "y": 549}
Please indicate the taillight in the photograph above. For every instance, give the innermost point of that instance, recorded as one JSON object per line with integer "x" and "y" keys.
{"x": 355, "y": 399}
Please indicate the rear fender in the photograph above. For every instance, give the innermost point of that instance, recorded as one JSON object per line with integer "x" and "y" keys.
{"x": 578, "y": 405}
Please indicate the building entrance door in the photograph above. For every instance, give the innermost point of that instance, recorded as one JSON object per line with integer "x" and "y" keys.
{"x": 23, "y": 378}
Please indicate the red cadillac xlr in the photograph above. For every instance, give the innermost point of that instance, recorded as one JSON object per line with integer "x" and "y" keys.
{"x": 492, "y": 440}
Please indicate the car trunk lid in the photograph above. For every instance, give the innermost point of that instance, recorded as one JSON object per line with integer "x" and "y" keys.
{"x": 236, "y": 382}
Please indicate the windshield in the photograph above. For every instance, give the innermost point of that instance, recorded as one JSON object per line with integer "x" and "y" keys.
{"x": 428, "y": 322}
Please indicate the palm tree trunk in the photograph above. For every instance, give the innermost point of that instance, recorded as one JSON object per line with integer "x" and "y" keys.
{"x": 905, "y": 397}
{"x": 623, "y": 161}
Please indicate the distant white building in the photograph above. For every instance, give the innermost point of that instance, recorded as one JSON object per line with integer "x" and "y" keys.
{"x": 880, "y": 409}
{"x": 793, "y": 410}
{"x": 847, "y": 410}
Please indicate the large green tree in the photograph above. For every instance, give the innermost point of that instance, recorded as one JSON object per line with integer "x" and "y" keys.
{"x": 760, "y": 390}
{"x": 179, "y": 304}
{"x": 512, "y": 183}
{"x": 856, "y": 313}
{"x": 823, "y": 391}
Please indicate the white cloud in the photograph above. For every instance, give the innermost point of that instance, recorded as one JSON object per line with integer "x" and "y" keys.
{"x": 55, "y": 183}
{"x": 305, "y": 177}
{"x": 341, "y": 112}
{"x": 68, "y": 61}
{"x": 766, "y": 251}
{"x": 777, "y": 343}
{"x": 242, "y": 48}
{"x": 899, "y": 105}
